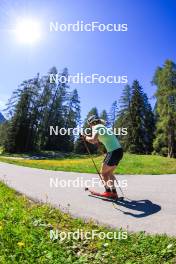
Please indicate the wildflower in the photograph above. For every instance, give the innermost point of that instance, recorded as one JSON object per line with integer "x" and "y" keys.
{"x": 20, "y": 244}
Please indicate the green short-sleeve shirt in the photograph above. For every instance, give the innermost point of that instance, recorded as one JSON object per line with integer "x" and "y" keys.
{"x": 106, "y": 137}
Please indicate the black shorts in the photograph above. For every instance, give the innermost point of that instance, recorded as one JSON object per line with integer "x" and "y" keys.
{"x": 112, "y": 158}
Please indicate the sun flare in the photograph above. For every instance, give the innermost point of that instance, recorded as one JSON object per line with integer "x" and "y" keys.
{"x": 28, "y": 31}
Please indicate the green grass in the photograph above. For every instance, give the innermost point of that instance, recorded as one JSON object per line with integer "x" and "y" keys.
{"x": 24, "y": 238}
{"x": 131, "y": 164}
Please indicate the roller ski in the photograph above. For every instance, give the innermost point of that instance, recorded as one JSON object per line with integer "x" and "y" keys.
{"x": 105, "y": 195}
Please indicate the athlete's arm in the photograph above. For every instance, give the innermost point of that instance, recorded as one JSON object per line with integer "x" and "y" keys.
{"x": 93, "y": 139}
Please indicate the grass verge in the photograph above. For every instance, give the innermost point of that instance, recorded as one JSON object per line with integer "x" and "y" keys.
{"x": 131, "y": 164}
{"x": 24, "y": 238}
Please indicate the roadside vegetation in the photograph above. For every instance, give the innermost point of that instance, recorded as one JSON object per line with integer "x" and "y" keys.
{"x": 131, "y": 163}
{"x": 25, "y": 238}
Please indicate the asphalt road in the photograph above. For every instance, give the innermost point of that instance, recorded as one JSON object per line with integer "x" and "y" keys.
{"x": 150, "y": 206}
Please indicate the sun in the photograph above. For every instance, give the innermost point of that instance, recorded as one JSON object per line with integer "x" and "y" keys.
{"x": 28, "y": 31}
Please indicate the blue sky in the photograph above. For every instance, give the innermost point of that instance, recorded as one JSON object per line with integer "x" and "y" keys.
{"x": 150, "y": 40}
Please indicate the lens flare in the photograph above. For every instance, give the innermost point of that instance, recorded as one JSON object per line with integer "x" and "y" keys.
{"x": 28, "y": 31}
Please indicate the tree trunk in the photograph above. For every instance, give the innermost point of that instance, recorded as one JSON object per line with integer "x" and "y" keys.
{"x": 171, "y": 143}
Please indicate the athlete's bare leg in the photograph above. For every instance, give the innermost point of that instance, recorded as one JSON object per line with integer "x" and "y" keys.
{"x": 107, "y": 175}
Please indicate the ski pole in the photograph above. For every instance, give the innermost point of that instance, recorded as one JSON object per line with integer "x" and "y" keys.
{"x": 88, "y": 151}
{"x": 119, "y": 186}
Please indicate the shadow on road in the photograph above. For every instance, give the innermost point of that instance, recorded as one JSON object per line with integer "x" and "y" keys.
{"x": 143, "y": 207}
{"x": 138, "y": 208}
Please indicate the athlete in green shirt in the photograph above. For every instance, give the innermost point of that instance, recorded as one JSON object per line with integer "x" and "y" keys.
{"x": 100, "y": 133}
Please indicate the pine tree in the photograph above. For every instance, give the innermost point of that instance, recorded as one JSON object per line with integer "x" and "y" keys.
{"x": 3, "y": 132}
{"x": 35, "y": 106}
{"x": 165, "y": 79}
{"x": 142, "y": 121}
{"x": 93, "y": 111}
{"x": 149, "y": 125}
{"x": 136, "y": 115}
{"x": 53, "y": 113}
{"x": 72, "y": 117}
{"x": 31, "y": 137}
{"x": 51, "y": 103}
{"x": 104, "y": 116}
{"x": 113, "y": 114}
{"x": 19, "y": 124}
{"x": 124, "y": 118}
